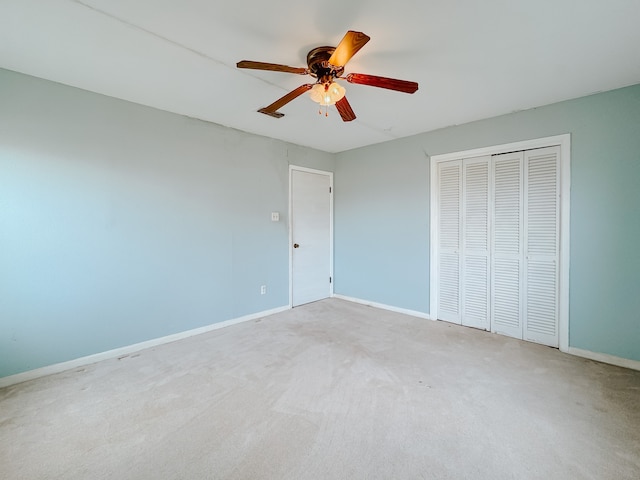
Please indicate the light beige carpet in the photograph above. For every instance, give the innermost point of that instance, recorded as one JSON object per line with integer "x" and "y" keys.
{"x": 330, "y": 390}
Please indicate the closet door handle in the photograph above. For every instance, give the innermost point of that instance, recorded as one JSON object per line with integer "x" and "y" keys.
{"x": 295, "y": 245}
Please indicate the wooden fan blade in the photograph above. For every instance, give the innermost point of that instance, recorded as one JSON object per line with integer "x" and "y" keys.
{"x": 348, "y": 47}
{"x": 345, "y": 110}
{"x": 274, "y": 67}
{"x": 271, "y": 110}
{"x": 382, "y": 82}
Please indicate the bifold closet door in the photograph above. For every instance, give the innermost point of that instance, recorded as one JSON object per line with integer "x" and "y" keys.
{"x": 498, "y": 243}
{"x": 507, "y": 244}
{"x": 449, "y": 240}
{"x": 474, "y": 286}
{"x": 525, "y": 245}
{"x": 541, "y": 235}
{"x": 463, "y": 243}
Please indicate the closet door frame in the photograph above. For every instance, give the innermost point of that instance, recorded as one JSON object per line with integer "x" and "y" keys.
{"x": 564, "y": 143}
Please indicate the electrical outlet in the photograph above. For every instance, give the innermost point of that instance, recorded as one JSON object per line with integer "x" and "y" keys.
{"x": 263, "y": 289}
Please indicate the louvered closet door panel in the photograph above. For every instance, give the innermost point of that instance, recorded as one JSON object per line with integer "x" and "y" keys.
{"x": 449, "y": 225}
{"x": 542, "y": 204}
{"x": 507, "y": 245}
{"x": 475, "y": 243}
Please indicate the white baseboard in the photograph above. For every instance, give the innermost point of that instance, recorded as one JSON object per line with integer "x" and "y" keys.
{"x": 413, "y": 313}
{"x": 129, "y": 349}
{"x": 599, "y": 357}
{"x": 605, "y": 358}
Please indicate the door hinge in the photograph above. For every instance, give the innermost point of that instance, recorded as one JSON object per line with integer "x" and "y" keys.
{"x": 329, "y": 279}
{"x": 329, "y": 189}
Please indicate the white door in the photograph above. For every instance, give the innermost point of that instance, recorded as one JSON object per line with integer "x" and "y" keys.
{"x": 475, "y": 243}
{"x": 507, "y": 244}
{"x": 498, "y": 260}
{"x": 311, "y": 232}
{"x": 525, "y": 262}
{"x": 449, "y": 233}
{"x": 525, "y": 253}
{"x": 463, "y": 242}
{"x": 541, "y": 236}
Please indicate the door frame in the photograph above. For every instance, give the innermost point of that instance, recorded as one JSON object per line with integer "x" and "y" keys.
{"x": 293, "y": 168}
{"x": 564, "y": 142}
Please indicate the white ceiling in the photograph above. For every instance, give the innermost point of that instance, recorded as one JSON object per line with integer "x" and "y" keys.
{"x": 473, "y": 59}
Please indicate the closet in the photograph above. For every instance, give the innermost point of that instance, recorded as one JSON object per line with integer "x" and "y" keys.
{"x": 498, "y": 243}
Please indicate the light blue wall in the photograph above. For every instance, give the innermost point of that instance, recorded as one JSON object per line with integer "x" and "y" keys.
{"x": 381, "y": 225}
{"x": 121, "y": 223}
{"x": 382, "y": 211}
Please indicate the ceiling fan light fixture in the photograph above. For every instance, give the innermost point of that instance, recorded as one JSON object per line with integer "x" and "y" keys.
{"x": 327, "y": 93}
{"x": 326, "y": 64}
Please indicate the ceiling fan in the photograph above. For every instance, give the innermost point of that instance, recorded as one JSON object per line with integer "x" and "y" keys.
{"x": 326, "y": 64}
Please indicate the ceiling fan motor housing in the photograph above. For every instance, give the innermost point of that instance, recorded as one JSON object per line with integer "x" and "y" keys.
{"x": 319, "y": 66}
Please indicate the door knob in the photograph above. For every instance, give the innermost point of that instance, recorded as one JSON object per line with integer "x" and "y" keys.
{"x": 295, "y": 245}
